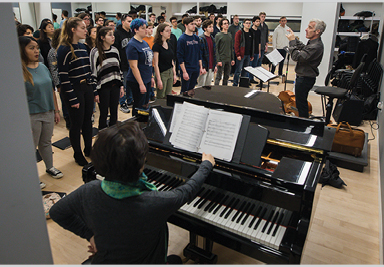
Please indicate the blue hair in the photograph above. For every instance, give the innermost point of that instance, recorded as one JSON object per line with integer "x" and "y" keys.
{"x": 137, "y": 23}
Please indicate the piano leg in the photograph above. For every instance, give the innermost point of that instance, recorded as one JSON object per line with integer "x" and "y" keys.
{"x": 199, "y": 255}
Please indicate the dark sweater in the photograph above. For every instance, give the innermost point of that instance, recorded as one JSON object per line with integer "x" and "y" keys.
{"x": 224, "y": 47}
{"x": 72, "y": 71}
{"x": 132, "y": 230}
{"x": 122, "y": 38}
{"x": 188, "y": 51}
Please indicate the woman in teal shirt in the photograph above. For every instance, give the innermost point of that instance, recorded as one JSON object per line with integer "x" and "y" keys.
{"x": 42, "y": 102}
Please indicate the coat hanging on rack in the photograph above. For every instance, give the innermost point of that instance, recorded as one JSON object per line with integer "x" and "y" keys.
{"x": 367, "y": 45}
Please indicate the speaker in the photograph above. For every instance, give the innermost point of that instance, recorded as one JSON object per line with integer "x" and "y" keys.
{"x": 244, "y": 82}
{"x": 349, "y": 110}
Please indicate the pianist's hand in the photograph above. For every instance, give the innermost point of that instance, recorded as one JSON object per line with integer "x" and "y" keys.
{"x": 92, "y": 246}
{"x": 208, "y": 157}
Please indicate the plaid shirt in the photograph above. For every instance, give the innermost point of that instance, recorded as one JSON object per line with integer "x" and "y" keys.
{"x": 204, "y": 51}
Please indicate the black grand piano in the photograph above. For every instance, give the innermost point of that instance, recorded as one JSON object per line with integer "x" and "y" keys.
{"x": 259, "y": 204}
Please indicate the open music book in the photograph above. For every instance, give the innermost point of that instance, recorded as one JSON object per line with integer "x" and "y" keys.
{"x": 199, "y": 129}
{"x": 261, "y": 73}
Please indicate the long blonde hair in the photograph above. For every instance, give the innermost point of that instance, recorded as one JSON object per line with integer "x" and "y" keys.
{"x": 67, "y": 34}
{"x": 23, "y": 42}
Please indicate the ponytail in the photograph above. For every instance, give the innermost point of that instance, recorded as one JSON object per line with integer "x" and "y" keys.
{"x": 67, "y": 34}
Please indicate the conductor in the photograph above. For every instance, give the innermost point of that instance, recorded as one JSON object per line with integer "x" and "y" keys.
{"x": 308, "y": 58}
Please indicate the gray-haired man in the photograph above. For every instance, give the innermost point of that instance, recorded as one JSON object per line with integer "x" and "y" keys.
{"x": 308, "y": 58}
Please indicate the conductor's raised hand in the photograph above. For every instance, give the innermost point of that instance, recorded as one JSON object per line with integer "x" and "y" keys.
{"x": 291, "y": 35}
{"x": 208, "y": 157}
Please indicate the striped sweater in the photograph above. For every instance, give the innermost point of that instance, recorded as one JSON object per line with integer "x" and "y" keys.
{"x": 110, "y": 71}
{"x": 72, "y": 71}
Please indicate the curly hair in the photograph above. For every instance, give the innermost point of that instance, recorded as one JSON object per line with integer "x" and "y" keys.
{"x": 137, "y": 23}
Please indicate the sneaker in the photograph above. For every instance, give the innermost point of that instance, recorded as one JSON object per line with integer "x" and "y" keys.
{"x": 130, "y": 105}
{"x": 124, "y": 108}
{"x": 153, "y": 99}
{"x": 55, "y": 173}
{"x": 42, "y": 185}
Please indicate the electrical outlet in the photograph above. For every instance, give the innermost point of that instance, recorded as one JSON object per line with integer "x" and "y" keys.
{"x": 380, "y": 105}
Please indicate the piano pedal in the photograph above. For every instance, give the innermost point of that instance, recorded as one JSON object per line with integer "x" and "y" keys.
{"x": 199, "y": 255}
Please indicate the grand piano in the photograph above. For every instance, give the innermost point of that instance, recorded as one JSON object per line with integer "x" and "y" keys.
{"x": 261, "y": 203}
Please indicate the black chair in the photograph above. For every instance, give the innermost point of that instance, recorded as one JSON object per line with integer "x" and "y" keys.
{"x": 337, "y": 92}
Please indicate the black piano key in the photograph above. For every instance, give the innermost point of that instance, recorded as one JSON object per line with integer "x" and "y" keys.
{"x": 227, "y": 206}
{"x": 202, "y": 197}
{"x": 148, "y": 172}
{"x": 226, "y": 197}
{"x": 260, "y": 218}
{"x": 231, "y": 208}
{"x": 269, "y": 218}
{"x": 238, "y": 211}
{"x": 255, "y": 216}
{"x": 209, "y": 197}
{"x": 273, "y": 222}
{"x": 278, "y": 223}
{"x": 162, "y": 180}
{"x": 247, "y": 204}
{"x": 169, "y": 184}
{"x": 214, "y": 200}
{"x": 198, "y": 194}
{"x": 248, "y": 213}
{"x": 155, "y": 176}
{"x": 218, "y": 203}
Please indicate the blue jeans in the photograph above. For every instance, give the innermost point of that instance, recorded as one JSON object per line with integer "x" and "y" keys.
{"x": 302, "y": 87}
{"x": 254, "y": 64}
{"x": 261, "y": 57}
{"x": 240, "y": 64}
{"x": 190, "y": 84}
{"x": 127, "y": 97}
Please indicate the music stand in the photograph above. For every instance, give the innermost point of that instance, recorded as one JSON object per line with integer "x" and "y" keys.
{"x": 262, "y": 74}
{"x": 274, "y": 58}
{"x": 286, "y": 71}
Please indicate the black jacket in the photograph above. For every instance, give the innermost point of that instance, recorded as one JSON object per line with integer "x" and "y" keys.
{"x": 122, "y": 37}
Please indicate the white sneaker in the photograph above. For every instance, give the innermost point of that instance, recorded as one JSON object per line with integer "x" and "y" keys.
{"x": 42, "y": 185}
{"x": 55, "y": 173}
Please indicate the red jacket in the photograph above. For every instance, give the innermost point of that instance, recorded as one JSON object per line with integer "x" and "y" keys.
{"x": 240, "y": 44}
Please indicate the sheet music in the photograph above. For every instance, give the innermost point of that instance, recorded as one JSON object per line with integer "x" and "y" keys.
{"x": 260, "y": 73}
{"x": 220, "y": 137}
{"x": 159, "y": 121}
{"x": 275, "y": 57}
{"x": 188, "y": 130}
{"x": 175, "y": 115}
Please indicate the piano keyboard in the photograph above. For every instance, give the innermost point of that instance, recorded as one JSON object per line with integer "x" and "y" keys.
{"x": 249, "y": 218}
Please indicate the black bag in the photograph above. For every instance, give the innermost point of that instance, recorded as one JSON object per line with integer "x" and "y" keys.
{"x": 88, "y": 173}
{"x": 365, "y": 14}
{"x": 343, "y": 26}
{"x": 370, "y": 107}
{"x": 330, "y": 176}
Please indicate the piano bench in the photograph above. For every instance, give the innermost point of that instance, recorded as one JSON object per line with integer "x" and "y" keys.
{"x": 331, "y": 93}
{"x": 199, "y": 255}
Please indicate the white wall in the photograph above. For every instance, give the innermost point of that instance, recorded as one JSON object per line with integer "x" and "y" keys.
{"x": 43, "y": 11}
{"x": 27, "y": 13}
{"x": 122, "y": 7}
{"x": 327, "y": 12}
{"x": 250, "y": 8}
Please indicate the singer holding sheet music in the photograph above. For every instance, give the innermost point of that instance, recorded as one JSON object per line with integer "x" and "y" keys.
{"x": 124, "y": 217}
{"x": 308, "y": 58}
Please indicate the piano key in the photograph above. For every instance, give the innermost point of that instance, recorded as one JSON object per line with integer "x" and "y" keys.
{"x": 270, "y": 224}
{"x": 259, "y": 222}
{"x": 238, "y": 211}
{"x": 219, "y": 216}
{"x": 282, "y": 229}
{"x": 232, "y": 212}
{"x": 223, "y": 200}
{"x": 266, "y": 220}
{"x": 241, "y": 221}
{"x": 273, "y": 235}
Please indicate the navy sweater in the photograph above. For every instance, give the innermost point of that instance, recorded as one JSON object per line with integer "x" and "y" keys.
{"x": 73, "y": 70}
{"x": 188, "y": 51}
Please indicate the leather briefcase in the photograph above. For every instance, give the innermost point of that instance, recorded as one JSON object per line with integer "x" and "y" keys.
{"x": 348, "y": 140}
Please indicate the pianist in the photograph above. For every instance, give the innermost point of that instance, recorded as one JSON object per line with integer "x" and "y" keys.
{"x": 124, "y": 217}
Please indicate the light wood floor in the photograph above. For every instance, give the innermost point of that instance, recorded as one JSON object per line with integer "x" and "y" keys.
{"x": 345, "y": 228}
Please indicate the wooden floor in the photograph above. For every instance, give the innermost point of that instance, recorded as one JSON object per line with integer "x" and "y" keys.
{"x": 345, "y": 228}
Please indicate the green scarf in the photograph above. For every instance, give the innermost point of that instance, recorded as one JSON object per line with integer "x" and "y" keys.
{"x": 119, "y": 191}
